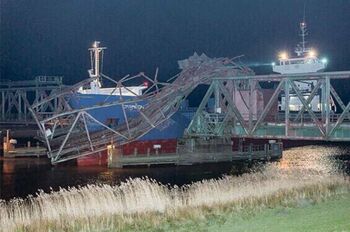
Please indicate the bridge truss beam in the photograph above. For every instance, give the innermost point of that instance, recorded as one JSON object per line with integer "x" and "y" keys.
{"x": 16, "y": 98}
{"x": 243, "y": 109}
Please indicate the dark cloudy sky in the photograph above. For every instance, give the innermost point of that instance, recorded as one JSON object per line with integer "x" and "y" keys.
{"x": 52, "y": 36}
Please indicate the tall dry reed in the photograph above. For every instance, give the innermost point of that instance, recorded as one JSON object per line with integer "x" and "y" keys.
{"x": 303, "y": 173}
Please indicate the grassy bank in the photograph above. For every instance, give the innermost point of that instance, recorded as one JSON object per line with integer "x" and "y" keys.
{"x": 302, "y": 192}
{"x": 330, "y": 215}
{"x": 312, "y": 213}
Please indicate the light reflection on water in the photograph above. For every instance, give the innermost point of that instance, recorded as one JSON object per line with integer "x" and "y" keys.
{"x": 317, "y": 158}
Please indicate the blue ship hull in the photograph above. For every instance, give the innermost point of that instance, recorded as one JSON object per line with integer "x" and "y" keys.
{"x": 171, "y": 129}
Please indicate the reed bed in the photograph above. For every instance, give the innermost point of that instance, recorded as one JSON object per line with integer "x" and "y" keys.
{"x": 307, "y": 173}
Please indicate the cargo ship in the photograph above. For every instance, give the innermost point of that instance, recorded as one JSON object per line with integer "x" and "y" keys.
{"x": 161, "y": 139}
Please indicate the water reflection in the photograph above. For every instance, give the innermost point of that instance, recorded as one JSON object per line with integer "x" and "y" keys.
{"x": 23, "y": 176}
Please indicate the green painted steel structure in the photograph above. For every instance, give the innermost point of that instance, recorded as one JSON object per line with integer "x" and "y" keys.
{"x": 16, "y": 97}
{"x": 228, "y": 119}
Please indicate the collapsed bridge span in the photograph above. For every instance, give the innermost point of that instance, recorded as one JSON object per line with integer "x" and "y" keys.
{"x": 76, "y": 132}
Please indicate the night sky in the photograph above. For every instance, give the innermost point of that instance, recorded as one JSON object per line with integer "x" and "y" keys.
{"x": 52, "y": 37}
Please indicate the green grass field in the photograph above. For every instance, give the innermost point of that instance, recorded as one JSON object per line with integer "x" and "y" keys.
{"x": 330, "y": 215}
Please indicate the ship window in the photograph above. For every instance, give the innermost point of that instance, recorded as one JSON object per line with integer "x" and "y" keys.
{"x": 296, "y": 62}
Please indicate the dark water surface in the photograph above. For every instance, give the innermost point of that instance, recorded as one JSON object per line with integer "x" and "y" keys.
{"x": 23, "y": 176}
{"x": 20, "y": 177}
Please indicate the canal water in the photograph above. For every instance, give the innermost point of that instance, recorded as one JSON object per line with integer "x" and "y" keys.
{"x": 20, "y": 177}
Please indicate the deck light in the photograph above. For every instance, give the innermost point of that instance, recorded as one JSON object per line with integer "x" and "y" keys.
{"x": 283, "y": 55}
{"x": 324, "y": 60}
{"x": 312, "y": 53}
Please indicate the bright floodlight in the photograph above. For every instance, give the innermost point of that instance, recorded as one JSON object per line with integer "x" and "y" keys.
{"x": 324, "y": 60}
{"x": 283, "y": 55}
{"x": 96, "y": 43}
{"x": 273, "y": 63}
{"x": 312, "y": 53}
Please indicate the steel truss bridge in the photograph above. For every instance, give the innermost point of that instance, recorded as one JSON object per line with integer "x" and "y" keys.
{"x": 69, "y": 134}
{"x": 16, "y": 98}
{"x": 234, "y": 119}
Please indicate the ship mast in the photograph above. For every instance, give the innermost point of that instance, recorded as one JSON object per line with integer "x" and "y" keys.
{"x": 303, "y": 34}
{"x": 301, "y": 48}
{"x": 96, "y": 54}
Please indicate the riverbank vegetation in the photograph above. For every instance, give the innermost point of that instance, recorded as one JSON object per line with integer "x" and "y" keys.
{"x": 273, "y": 192}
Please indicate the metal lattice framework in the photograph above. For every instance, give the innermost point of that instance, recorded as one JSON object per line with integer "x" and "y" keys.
{"x": 16, "y": 97}
{"x": 70, "y": 130}
{"x": 233, "y": 119}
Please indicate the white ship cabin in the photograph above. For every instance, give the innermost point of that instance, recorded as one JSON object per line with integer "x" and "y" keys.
{"x": 306, "y": 60}
{"x": 128, "y": 91}
{"x": 306, "y": 64}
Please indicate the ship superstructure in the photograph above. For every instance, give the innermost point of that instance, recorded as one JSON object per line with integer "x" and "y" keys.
{"x": 306, "y": 61}
{"x": 96, "y": 57}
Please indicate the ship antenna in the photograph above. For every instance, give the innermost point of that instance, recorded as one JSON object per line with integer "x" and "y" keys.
{"x": 303, "y": 29}
{"x": 300, "y": 50}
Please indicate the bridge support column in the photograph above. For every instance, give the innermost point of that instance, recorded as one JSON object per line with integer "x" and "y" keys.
{"x": 217, "y": 98}
{"x": 286, "y": 117}
{"x": 327, "y": 103}
{"x": 3, "y": 105}
{"x": 250, "y": 105}
{"x": 20, "y": 113}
